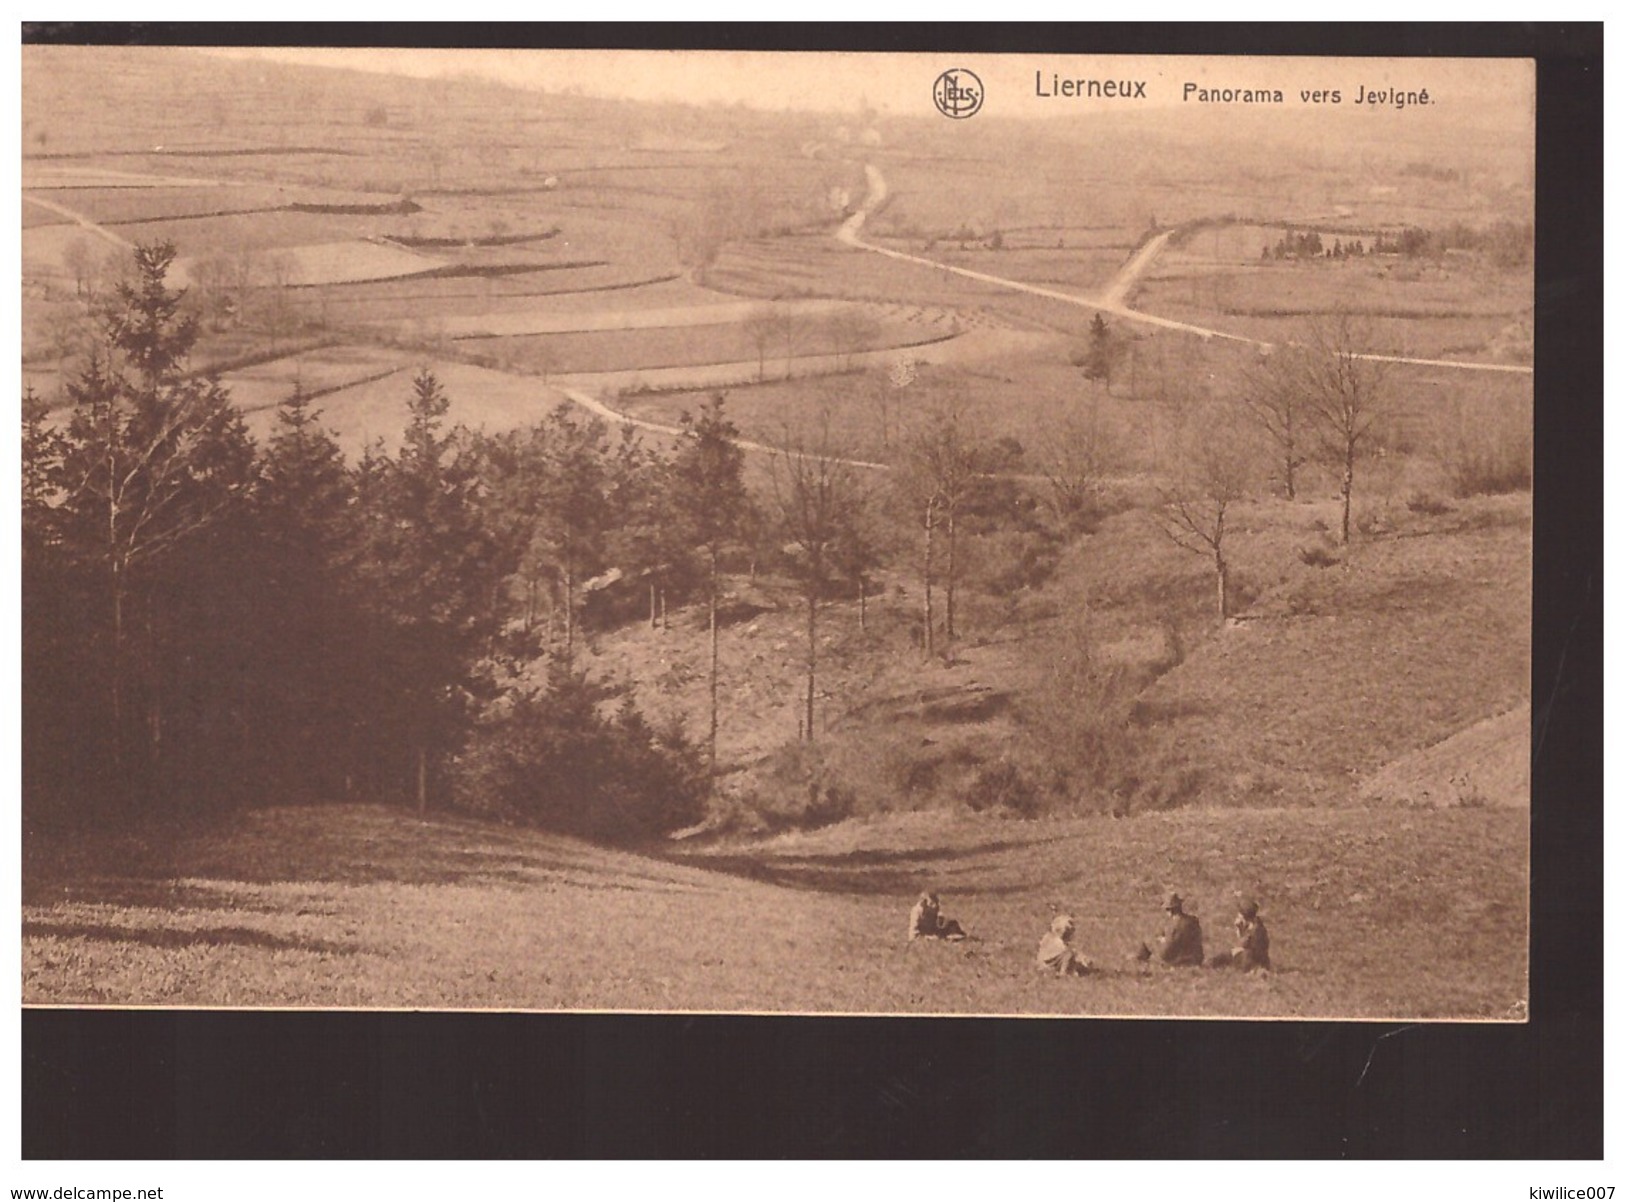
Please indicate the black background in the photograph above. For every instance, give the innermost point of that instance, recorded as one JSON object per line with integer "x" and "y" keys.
{"x": 199, "y": 1084}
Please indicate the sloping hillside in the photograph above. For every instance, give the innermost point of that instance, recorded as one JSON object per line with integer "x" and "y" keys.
{"x": 1372, "y": 913}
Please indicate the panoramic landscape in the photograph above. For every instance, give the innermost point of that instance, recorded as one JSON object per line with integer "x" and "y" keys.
{"x": 492, "y": 540}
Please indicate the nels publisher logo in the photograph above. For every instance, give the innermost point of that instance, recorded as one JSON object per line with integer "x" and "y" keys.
{"x": 958, "y": 93}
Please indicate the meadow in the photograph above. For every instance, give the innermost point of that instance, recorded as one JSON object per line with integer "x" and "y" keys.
{"x": 1374, "y": 913}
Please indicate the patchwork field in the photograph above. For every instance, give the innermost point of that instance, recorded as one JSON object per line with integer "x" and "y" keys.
{"x": 375, "y": 409}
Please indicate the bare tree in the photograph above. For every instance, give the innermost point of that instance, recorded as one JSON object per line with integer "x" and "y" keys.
{"x": 545, "y": 358}
{"x": 888, "y": 392}
{"x": 761, "y": 326}
{"x": 817, "y": 503}
{"x": 1075, "y": 456}
{"x": 939, "y": 468}
{"x": 79, "y": 259}
{"x": 1345, "y": 391}
{"x": 1181, "y": 382}
{"x": 1272, "y": 391}
{"x": 708, "y": 499}
{"x": 281, "y": 315}
{"x": 717, "y": 218}
{"x": 1215, "y": 470}
{"x": 791, "y": 327}
{"x": 849, "y": 330}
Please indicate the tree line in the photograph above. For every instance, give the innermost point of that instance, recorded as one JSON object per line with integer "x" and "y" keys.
{"x": 208, "y": 622}
{"x": 1507, "y": 244}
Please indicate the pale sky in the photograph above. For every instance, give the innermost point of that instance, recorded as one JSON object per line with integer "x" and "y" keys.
{"x": 900, "y": 84}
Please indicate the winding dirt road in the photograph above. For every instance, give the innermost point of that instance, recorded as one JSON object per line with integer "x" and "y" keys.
{"x": 594, "y": 406}
{"x": 1113, "y": 299}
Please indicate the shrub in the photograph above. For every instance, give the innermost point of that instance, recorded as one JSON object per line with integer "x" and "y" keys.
{"x": 1320, "y": 555}
{"x": 554, "y": 760}
{"x": 1003, "y": 785}
{"x": 1428, "y": 505}
{"x": 796, "y": 788}
{"x": 1490, "y": 452}
{"x": 1006, "y": 562}
{"x": 1080, "y": 711}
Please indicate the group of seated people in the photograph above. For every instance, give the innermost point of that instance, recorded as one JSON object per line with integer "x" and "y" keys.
{"x": 1179, "y": 946}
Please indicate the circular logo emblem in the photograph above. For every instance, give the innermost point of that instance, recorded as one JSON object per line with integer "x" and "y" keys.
{"x": 958, "y": 93}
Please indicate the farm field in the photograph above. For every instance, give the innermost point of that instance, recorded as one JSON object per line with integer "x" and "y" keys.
{"x": 376, "y": 410}
{"x": 1374, "y": 913}
{"x": 966, "y": 350}
{"x": 164, "y": 201}
{"x": 1454, "y": 310}
{"x": 1085, "y": 271}
{"x": 721, "y": 311}
{"x": 639, "y": 348}
{"x": 265, "y": 385}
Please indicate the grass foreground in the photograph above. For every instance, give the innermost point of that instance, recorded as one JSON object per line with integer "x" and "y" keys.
{"x": 1374, "y": 913}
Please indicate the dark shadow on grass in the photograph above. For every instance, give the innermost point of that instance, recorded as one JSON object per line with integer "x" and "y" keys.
{"x": 165, "y": 938}
{"x": 369, "y": 853}
{"x": 863, "y": 858}
{"x": 817, "y": 877}
{"x": 968, "y": 702}
{"x": 1156, "y": 711}
{"x": 157, "y": 894}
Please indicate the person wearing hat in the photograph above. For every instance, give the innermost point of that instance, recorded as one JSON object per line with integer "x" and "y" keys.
{"x": 1055, "y": 951}
{"x": 1182, "y": 945}
{"x": 1252, "y": 950}
{"x": 925, "y": 921}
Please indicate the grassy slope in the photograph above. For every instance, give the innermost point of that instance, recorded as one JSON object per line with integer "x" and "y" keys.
{"x": 1374, "y": 913}
{"x": 1334, "y": 671}
{"x": 1330, "y": 674}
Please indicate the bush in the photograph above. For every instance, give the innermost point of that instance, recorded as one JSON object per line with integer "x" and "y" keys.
{"x": 1080, "y": 711}
{"x": 1003, "y": 785}
{"x": 1490, "y": 452}
{"x": 1006, "y": 562}
{"x": 1320, "y": 555}
{"x": 1428, "y": 505}
{"x": 555, "y": 761}
{"x": 797, "y": 789}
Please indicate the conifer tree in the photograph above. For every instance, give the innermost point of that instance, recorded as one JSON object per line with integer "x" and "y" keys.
{"x": 312, "y": 679}
{"x": 430, "y": 568}
{"x": 153, "y": 460}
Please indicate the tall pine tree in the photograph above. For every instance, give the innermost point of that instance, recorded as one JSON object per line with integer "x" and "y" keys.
{"x": 155, "y": 467}
{"x": 431, "y": 571}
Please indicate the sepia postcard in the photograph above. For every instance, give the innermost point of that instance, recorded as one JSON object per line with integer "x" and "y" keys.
{"x": 777, "y": 532}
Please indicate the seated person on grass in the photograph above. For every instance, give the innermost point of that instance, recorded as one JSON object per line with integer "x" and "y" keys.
{"x": 925, "y": 921}
{"x": 1182, "y": 945}
{"x": 1055, "y": 951}
{"x": 1252, "y": 950}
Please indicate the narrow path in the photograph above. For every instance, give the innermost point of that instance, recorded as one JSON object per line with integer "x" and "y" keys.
{"x": 80, "y": 219}
{"x": 1128, "y": 275}
{"x": 1111, "y": 301}
{"x": 594, "y": 406}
